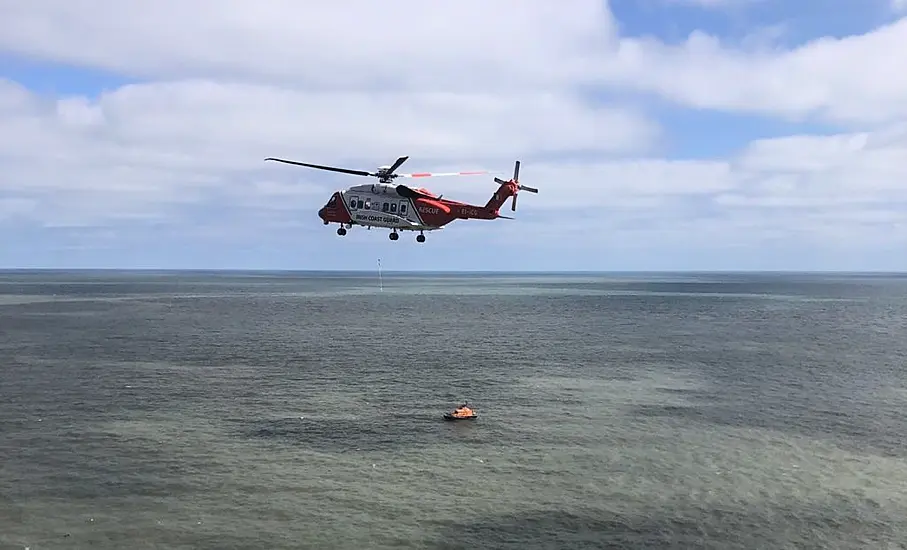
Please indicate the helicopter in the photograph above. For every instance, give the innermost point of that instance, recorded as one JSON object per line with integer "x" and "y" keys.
{"x": 403, "y": 208}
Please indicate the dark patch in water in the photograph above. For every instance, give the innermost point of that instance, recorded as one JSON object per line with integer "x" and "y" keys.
{"x": 878, "y": 435}
{"x": 689, "y": 393}
{"x": 335, "y": 435}
{"x": 686, "y": 525}
{"x": 389, "y": 433}
{"x": 667, "y": 411}
{"x": 619, "y": 377}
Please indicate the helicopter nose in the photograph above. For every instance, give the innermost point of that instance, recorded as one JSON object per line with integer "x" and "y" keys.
{"x": 321, "y": 213}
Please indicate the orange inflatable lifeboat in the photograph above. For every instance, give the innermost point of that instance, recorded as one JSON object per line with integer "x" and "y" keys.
{"x": 463, "y": 412}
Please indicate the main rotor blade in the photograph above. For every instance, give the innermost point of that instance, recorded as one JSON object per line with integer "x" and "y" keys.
{"x": 396, "y": 164}
{"x": 435, "y": 174}
{"x": 318, "y": 166}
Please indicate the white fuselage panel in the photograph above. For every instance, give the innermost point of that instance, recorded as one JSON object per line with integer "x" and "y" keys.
{"x": 379, "y": 205}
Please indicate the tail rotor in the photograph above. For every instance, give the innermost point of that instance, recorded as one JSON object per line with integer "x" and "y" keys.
{"x": 515, "y": 183}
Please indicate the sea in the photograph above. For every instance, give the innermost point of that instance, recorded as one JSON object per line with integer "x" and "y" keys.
{"x": 247, "y": 410}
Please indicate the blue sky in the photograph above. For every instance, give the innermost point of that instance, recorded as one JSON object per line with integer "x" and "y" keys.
{"x": 657, "y": 130}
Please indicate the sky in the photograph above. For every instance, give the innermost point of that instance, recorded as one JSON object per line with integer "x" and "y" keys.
{"x": 662, "y": 134}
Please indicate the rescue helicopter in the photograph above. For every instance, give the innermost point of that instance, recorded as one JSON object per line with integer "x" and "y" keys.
{"x": 404, "y": 208}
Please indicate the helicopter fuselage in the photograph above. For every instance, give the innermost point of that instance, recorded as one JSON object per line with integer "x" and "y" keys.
{"x": 377, "y": 205}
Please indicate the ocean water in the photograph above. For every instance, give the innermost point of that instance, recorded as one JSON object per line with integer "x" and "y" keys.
{"x": 286, "y": 410}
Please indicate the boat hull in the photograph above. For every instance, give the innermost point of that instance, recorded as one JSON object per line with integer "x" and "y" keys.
{"x": 449, "y": 416}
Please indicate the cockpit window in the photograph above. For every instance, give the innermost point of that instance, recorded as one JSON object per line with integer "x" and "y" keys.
{"x": 333, "y": 201}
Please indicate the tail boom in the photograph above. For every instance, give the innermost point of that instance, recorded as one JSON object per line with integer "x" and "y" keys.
{"x": 437, "y": 211}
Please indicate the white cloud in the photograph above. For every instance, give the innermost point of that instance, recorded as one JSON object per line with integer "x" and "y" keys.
{"x": 457, "y": 85}
{"x": 851, "y": 80}
{"x": 899, "y": 6}
{"x": 846, "y": 169}
{"x": 464, "y": 45}
{"x": 459, "y": 47}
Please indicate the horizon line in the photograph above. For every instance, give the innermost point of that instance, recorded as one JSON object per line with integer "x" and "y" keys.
{"x": 444, "y": 271}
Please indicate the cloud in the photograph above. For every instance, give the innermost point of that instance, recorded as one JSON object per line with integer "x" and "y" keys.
{"x": 461, "y": 85}
{"x": 228, "y": 119}
{"x": 848, "y": 80}
{"x": 455, "y": 46}
{"x": 460, "y": 47}
{"x": 899, "y": 6}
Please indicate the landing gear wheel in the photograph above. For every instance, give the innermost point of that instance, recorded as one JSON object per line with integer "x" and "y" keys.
{"x": 341, "y": 231}
{"x": 420, "y": 238}
{"x": 394, "y": 236}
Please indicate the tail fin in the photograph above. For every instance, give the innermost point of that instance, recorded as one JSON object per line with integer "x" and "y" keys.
{"x": 508, "y": 189}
